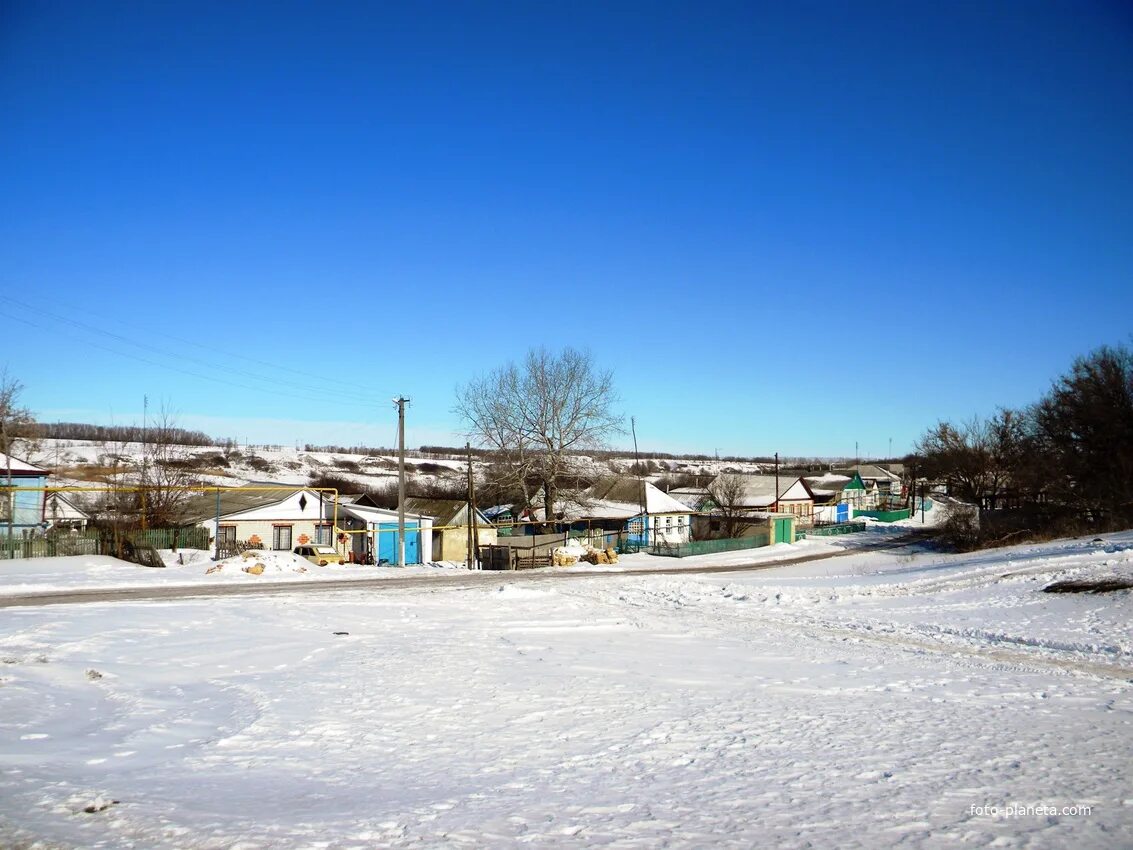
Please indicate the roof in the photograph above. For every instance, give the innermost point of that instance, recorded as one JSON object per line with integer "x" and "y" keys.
{"x": 694, "y": 497}
{"x": 203, "y": 507}
{"x": 828, "y": 483}
{"x": 497, "y": 511}
{"x": 443, "y": 511}
{"x": 877, "y": 473}
{"x": 19, "y": 467}
{"x": 69, "y": 509}
{"x": 759, "y": 490}
{"x": 377, "y": 515}
{"x": 634, "y": 493}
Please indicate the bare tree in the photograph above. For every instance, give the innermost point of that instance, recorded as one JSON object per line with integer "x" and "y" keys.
{"x": 166, "y": 472}
{"x": 538, "y": 415}
{"x": 16, "y": 425}
{"x": 727, "y": 492}
{"x": 974, "y": 458}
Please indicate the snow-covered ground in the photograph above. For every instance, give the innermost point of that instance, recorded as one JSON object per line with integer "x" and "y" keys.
{"x": 75, "y": 464}
{"x": 872, "y": 700}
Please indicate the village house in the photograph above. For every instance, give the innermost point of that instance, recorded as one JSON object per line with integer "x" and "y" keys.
{"x": 756, "y": 497}
{"x": 450, "y": 526}
{"x": 615, "y": 509}
{"x": 265, "y": 519}
{"x": 21, "y": 507}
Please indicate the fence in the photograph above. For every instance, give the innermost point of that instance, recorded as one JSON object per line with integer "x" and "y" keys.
{"x": 170, "y": 538}
{"x": 710, "y": 547}
{"x": 94, "y": 543}
{"x": 48, "y": 547}
{"x": 832, "y": 530}
{"x": 884, "y": 516}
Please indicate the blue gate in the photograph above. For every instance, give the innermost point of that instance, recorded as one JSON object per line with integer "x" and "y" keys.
{"x": 387, "y": 542}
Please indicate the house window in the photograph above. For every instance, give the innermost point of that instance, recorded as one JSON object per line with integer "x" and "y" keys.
{"x": 6, "y": 498}
{"x": 281, "y": 537}
{"x": 226, "y": 539}
{"x": 322, "y": 534}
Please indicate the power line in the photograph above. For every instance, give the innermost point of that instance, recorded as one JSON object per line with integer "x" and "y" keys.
{"x": 306, "y": 394}
{"x": 134, "y": 342}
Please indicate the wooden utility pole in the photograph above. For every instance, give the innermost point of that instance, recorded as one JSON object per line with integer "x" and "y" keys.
{"x": 11, "y": 494}
{"x": 469, "y": 534}
{"x": 474, "y": 523}
{"x": 401, "y": 402}
{"x": 640, "y": 489}
{"x": 776, "y": 482}
{"x": 145, "y": 452}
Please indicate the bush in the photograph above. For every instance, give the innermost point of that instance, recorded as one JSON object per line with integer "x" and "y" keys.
{"x": 961, "y": 531}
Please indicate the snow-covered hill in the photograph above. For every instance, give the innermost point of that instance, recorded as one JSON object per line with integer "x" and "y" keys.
{"x": 87, "y": 463}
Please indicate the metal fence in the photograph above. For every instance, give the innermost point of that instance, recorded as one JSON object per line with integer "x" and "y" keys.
{"x": 884, "y": 516}
{"x": 832, "y": 530}
{"x": 104, "y": 543}
{"x": 48, "y": 547}
{"x": 170, "y": 538}
{"x": 710, "y": 547}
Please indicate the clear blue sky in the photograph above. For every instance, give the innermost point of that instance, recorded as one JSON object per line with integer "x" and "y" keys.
{"x": 786, "y": 227}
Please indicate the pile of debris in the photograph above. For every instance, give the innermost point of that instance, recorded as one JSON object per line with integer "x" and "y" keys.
{"x": 572, "y": 553}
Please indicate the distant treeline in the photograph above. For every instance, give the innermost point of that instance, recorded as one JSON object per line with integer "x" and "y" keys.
{"x": 124, "y": 434}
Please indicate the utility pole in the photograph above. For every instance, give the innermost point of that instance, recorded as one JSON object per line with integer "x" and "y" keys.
{"x": 11, "y": 494}
{"x": 776, "y": 482}
{"x": 641, "y": 489}
{"x": 469, "y": 532}
{"x": 400, "y": 401}
{"x": 476, "y": 562}
{"x": 145, "y": 412}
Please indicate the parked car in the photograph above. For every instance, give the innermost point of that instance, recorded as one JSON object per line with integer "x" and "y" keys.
{"x": 319, "y": 554}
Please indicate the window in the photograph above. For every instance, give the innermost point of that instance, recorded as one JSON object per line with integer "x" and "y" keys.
{"x": 226, "y": 539}
{"x": 322, "y": 534}
{"x": 281, "y": 537}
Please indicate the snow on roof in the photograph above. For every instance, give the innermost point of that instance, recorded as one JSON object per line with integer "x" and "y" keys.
{"x": 632, "y": 493}
{"x": 19, "y": 467}
{"x": 368, "y": 514}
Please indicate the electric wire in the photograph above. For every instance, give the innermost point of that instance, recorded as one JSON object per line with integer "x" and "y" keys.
{"x": 305, "y": 393}
{"x": 153, "y": 349}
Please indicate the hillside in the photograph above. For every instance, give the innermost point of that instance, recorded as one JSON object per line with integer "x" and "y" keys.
{"x": 88, "y": 463}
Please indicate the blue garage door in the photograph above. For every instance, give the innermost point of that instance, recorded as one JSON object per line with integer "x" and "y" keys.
{"x": 387, "y": 543}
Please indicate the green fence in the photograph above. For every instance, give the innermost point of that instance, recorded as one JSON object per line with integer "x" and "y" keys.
{"x": 884, "y": 516}
{"x": 170, "y": 538}
{"x": 94, "y": 543}
{"x": 48, "y": 547}
{"x": 710, "y": 547}
{"x": 832, "y": 530}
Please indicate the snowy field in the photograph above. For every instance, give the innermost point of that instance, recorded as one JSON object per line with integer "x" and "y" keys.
{"x": 873, "y": 700}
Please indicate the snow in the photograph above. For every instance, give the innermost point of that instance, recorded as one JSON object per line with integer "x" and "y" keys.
{"x": 880, "y": 698}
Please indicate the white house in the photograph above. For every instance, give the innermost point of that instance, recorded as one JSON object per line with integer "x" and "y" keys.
{"x": 265, "y": 520}
{"x": 629, "y": 505}
{"x": 372, "y": 535}
{"x": 61, "y": 512}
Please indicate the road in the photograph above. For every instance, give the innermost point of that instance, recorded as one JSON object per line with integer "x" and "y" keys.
{"x": 448, "y": 580}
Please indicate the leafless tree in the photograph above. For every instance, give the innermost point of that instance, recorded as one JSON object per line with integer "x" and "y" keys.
{"x": 974, "y": 458}
{"x": 727, "y": 493}
{"x": 166, "y": 472}
{"x": 538, "y": 415}
{"x": 17, "y": 426}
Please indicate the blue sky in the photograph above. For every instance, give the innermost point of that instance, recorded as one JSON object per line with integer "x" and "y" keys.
{"x": 786, "y": 227}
